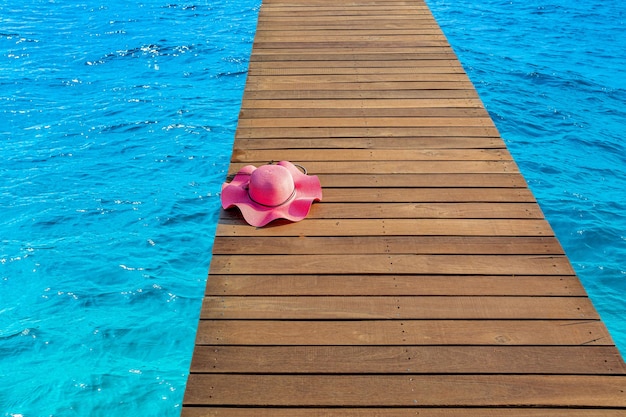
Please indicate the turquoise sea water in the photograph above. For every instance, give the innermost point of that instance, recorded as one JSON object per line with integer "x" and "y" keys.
{"x": 117, "y": 125}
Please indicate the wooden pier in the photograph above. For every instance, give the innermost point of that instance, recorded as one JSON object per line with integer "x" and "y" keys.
{"x": 427, "y": 282}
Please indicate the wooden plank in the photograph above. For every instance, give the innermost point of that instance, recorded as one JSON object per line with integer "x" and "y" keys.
{"x": 448, "y": 180}
{"x": 369, "y": 45}
{"x": 399, "y": 307}
{"x": 371, "y": 143}
{"x": 388, "y": 132}
{"x": 354, "y": 25}
{"x": 348, "y": 34}
{"x": 361, "y": 10}
{"x": 358, "y": 103}
{"x": 340, "y": 13}
{"x": 306, "y": 19}
{"x": 410, "y": 390}
{"x": 406, "y": 64}
{"x": 416, "y": 94}
{"x": 399, "y": 412}
{"x": 350, "y": 56}
{"x": 348, "y": 3}
{"x": 360, "y": 77}
{"x": 337, "y": 51}
{"x": 390, "y": 78}
{"x": 403, "y": 332}
{"x": 387, "y": 155}
{"x": 429, "y": 195}
{"x": 405, "y": 285}
{"x": 413, "y": 360}
{"x": 339, "y": 10}
{"x": 280, "y": 37}
{"x": 460, "y": 80}
{"x": 393, "y": 245}
{"x": 388, "y": 122}
{"x": 351, "y": 113}
{"x": 348, "y": 22}
{"x": 423, "y": 211}
{"x": 396, "y": 227}
{"x": 411, "y": 167}
{"x": 360, "y": 86}
{"x": 393, "y": 264}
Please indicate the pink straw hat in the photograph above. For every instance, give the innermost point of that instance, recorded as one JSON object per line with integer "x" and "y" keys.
{"x": 271, "y": 192}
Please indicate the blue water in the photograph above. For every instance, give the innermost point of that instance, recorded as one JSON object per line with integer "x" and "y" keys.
{"x": 117, "y": 125}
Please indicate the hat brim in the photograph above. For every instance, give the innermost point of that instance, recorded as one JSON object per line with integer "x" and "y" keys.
{"x": 307, "y": 190}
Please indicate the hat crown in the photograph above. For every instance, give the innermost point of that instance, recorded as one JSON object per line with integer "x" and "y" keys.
{"x": 271, "y": 185}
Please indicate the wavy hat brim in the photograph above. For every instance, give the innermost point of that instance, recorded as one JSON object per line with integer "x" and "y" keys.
{"x": 307, "y": 190}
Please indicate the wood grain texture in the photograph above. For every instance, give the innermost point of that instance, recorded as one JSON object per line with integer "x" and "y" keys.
{"x": 408, "y": 360}
{"x": 398, "y": 307}
{"x": 427, "y": 280}
{"x": 403, "y": 332}
{"x": 398, "y": 412}
{"x": 349, "y": 285}
{"x": 410, "y": 390}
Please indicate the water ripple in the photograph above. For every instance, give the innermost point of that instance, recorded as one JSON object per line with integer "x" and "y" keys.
{"x": 118, "y": 121}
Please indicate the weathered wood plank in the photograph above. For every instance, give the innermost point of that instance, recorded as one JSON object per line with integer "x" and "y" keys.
{"x": 418, "y": 94}
{"x": 347, "y": 3}
{"x": 354, "y": 25}
{"x": 380, "y": 18}
{"x": 447, "y": 180}
{"x": 358, "y": 103}
{"x": 400, "y": 412}
{"x": 375, "y": 131}
{"x": 428, "y": 195}
{"x": 393, "y": 264}
{"x": 393, "y": 245}
{"x": 371, "y": 122}
{"x": 340, "y": 10}
{"x": 399, "y": 307}
{"x": 409, "y": 167}
{"x": 351, "y": 56}
{"x": 422, "y": 211}
{"x": 310, "y": 51}
{"x": 347, "y": 35}
{"x": 370, "y": 113}
{"x": 361, "y": 10}
{"x": 387, "y": 155}
{"x": 403, "y": 332}
{"x": 405, "y": 285}
{"x": 360, "y": 77}
{"x": 385, "y": 66}
{"x": 396, "y": 227}
{"x": 316, "y": 15}
{"x": 383, "y": 72}
{"x": 371, "y": 143}
{"x": 280, "y": 37}
{"x": 330, "y": 23}
{"x": 598, "y": 360}
{"x": 377, "y": 86}
{"x": 401, "y": 390}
